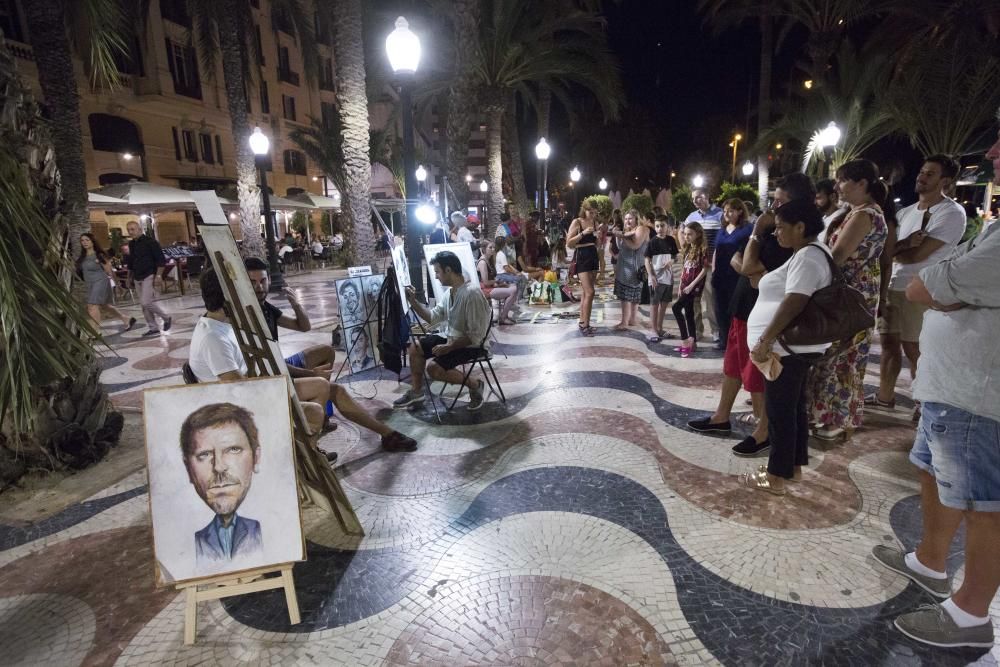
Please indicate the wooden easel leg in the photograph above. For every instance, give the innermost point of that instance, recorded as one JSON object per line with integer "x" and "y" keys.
{"x": 191, "y": 616}
{"x": 290, "y": 597}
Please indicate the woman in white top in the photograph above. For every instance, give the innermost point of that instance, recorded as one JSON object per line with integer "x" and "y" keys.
{"x": 505, "y": 293}
{"x": 783, "y": 294}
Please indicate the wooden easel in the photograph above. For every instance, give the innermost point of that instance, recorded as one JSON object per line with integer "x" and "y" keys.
{"x": 250, "y": 581}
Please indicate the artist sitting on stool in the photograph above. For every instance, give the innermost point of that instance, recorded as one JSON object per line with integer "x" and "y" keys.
{"x": 467, "y": 314}
{"x": 301, "y": 369}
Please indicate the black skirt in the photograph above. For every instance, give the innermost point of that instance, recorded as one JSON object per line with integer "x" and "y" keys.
{"x": 586, "y": 259}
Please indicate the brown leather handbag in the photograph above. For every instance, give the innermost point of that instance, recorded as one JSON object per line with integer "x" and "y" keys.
{"x": 833, "y": 313}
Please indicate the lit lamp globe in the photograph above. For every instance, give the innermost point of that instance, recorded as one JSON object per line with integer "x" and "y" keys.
{"x": 574, "y": 175}
{"x": 698, "y": 181}
{"x": 747, "y": 168}
{"x": 542, "y": 149}
{"x": 403, "y": 48}
{"x": 259, "y": 143}
{"x": 427, "y": 214}
{"x": 421, "y": 173}
{"x": 484, "y": 186}
{"x": 602, "y": 184}
{"x": 829, "y": 136}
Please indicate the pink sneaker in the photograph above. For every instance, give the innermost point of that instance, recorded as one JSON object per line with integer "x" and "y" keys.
{"x": 685, "y": 352}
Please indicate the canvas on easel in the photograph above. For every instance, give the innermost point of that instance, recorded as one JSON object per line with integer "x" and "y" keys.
{"x": 464, "y": 253}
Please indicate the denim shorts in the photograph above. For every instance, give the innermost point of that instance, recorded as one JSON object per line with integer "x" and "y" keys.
{"x": 962, "y": 451}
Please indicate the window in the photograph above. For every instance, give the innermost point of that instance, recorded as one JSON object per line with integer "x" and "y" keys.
{"x": 295, "y": 163}
{"x": 114, "y": 134}
{"x": 326, "y": 74}
{"x": 328, "y": 112}
{"x": 206, "y": 148}
{"x": 190, "y": 149}
{"x": 10, "y": 21}
{"x": 218, "y": 149}
{"x": 177, "y": 144}
{"x": 259, "y": 43}
{"x": 265, "y": 103}
{"x": 183, "y": 70}
{"x": 285, "y": 72}
{"x": 176, "y": 11}
{"x": 288, "y": 106}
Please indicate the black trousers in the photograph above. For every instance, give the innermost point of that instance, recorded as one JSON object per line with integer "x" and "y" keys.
{"x": 684, "y": 312}
{"x": 723, "y": 295}
{"x": 787, "y": 415}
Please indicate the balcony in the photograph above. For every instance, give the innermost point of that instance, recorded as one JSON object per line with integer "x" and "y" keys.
{"x": 327, "y": 84}
{"x": 288, "y": 76}
{"x": 22, "y": 51}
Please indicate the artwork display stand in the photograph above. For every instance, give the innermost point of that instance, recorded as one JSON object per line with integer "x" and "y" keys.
{"x": 252, "y": 581}
{"x": 318, "y": 482}
{"x": 349, "y": 344}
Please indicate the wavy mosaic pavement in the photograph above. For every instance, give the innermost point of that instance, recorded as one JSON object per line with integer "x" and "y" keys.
{"x": 580, "y": 523}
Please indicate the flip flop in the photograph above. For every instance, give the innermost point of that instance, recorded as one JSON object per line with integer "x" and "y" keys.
{"x": 757, "y": 479}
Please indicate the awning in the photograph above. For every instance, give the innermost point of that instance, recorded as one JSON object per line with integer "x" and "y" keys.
{"x": 102, "y": 202}
{"x": 317, "y": 201}
{"x": 143, "y": 197}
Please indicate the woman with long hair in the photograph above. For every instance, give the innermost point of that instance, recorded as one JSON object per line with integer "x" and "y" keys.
{"x": 95, "y": 267}
{"x": 695, "y": 260}
{"x": 857, "y": 240}
{"x": 631, "y": 258}
{"x": 582, "y": 238}
{"x": 504, "y": 293}
{"x": 731, "y": 239}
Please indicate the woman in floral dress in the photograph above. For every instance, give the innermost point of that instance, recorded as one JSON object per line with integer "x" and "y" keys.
{"x": 836, "y": 385}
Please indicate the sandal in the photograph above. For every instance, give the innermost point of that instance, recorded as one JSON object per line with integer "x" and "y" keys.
{"x": 585, "y": 329}
{"x": 652, "y": 338}
{"x": 620, "y": 327}
{"x": 757, "y": 479}
{"x": 748, "y": 418}
{"x": 794, "y": 480}
{"x": 507, "y": 322}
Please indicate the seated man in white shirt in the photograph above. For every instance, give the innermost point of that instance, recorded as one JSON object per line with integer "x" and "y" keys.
{"x": 317, "y": 248}
{"x": 215, "y": 354}
{"x": 467, "y": 314}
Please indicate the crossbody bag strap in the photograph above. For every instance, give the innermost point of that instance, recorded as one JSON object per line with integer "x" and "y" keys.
{"x": 835, "y": 273}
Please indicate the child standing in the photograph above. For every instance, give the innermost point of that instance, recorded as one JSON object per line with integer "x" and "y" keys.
{"x": 696, "y": 261}
{"x": 660, "y": 255}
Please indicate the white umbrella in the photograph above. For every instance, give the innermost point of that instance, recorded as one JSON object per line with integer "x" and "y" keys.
{"x": 317, "y": 201}
{"x": 96, "y": 201}
{"x": 149, "y": 197}
{"x": 277, "y": 204}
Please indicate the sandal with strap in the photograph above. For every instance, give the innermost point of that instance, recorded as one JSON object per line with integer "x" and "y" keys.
{"x": 758, "y": 479}
{"x": 748, "y": 418}
{"x": 793, "y": 479}
{"x": 585, "y": 329}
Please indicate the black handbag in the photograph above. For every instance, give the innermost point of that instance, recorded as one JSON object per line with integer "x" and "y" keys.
{"x": 833, "y": 313}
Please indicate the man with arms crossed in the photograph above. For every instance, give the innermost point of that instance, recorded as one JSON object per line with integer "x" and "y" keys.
{"x": 958, "y": 442}
{"x": 928, "y": 231}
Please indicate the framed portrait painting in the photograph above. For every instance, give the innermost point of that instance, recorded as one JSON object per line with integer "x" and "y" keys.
{"x": 222, "y": 484}
{"x": 351, "y": 301}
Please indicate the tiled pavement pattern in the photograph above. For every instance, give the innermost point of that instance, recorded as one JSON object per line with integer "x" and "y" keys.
{"x": 579, "y": 524}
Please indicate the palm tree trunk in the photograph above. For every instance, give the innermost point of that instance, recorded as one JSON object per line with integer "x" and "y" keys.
{"x": 57, "y": 78}
{"x": 462, "y": 98}
{"x": 544, "y": 116}
{"x": 232, "y": 25}
{"x": 352, "y": 103}
{"x": 494, "y": 107}
{"x": 764, "y": 104}
{"x": 516, "y": 166}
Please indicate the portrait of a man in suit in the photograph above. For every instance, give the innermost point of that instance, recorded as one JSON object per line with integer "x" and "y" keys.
{"x": 221, "y": 451}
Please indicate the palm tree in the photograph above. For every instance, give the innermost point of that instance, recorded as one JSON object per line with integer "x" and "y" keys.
{"x": 344, "y": 16}
{"x": 461, "y": 107}
{"x": 54, "y": 413}
{"x": 50, "y": 23}
{"x": 224, "y": 29}
{"x": 515, "y": 164}
{"x": 854, "y": 97}
{"x": 520, "y": 43}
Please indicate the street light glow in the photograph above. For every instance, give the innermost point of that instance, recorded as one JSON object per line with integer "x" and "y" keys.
{"x": 738, "y": 137}
{"x": 421, "y": 173}
{"x": 828, "y": 136}
{"x": 468, "y": 178}
{"x": 602, "y": 184}
{"x": 698, "y": 181}
{"x": 808, "y": 83}
{"x": 747, "y": 168}
{"x": 426, "y": 214}
{"x": 403, "y": 48}
{"x": 484, "y": 186}
{"x": 542, "y": 149}
{"x": 574, "y": 175}
{"x": 126, "y": 156}
{"x": 259, "y": 143}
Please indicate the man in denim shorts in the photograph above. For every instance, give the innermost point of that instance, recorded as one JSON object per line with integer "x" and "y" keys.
{"x": 958, "y": 442}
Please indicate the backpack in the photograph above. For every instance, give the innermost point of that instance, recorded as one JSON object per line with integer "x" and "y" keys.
{"x": 393, "y": 326}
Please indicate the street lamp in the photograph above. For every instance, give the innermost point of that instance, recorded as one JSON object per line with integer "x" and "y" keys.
{"x": 421, "y": 177}
{"x": 747, "y": 168}
{"x": 602, "y": 184}
{"x": 826, "y": 139}
{"x": 735, "y": 144}
{"x": 484, "y": 186}
{"x": 574, "y": 174}
{"x": 403, "y": 50}
{"x": 698, "y": 181}
{"x": 260, "y": 145}
{"x": 542, "y": 152}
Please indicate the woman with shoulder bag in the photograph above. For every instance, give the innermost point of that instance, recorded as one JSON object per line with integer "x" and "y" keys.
{"x": 783, "y": 295}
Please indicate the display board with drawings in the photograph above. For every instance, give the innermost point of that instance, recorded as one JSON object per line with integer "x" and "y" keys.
{"x": 222, "y": 480}
{"x": 464, "y": 253}
{"x": 356, "y": 299}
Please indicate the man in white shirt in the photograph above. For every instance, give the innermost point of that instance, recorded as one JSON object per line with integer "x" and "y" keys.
{"x": 317, "y": 248}
{"x": 828, "y": 203}
{"x": 710, "y": 218}
{"x": 928, "y": 231}
{"x": 467, "y": 314}
{"x": 462, "y": 233}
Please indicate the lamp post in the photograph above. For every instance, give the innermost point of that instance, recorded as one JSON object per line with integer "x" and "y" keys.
{"x": 542, "y": 152}
{"x": 574, "y": 178}
{"x": 421, "y": 175}
{"x": 260, "y": 145}
{"x": 747, "y": 168}
{"x": 827, "y": 139}
{"x": 735, "y": 144}
{"x": 403, "y": 49}
{"x": 602, "y": 185}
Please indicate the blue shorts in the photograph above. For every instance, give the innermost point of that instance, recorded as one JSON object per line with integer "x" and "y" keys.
{"x": 962, "y": 451}
{"x": 298, "y": 360}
